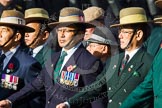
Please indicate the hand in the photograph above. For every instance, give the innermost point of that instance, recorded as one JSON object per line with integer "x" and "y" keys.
{"x": 5, "y": 104}
{"x": 62, "y": 105}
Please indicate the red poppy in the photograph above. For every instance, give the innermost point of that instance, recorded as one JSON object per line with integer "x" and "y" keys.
{"x": 11, "y": 66}
{"x": 70, "y": 68}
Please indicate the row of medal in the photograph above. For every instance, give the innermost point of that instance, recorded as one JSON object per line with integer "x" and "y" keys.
{"x": 69, "y": 78}
{"x": 9, "y": 81}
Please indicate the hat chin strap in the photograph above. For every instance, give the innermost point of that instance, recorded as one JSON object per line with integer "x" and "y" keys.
{"x": 35, "y": 39}
{"x": 130, "y": 40}
{"x": 69, "y": 43}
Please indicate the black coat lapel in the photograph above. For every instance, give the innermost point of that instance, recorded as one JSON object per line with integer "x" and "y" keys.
{"x": 74, "y": 57}
{"x": 13, "y": 61}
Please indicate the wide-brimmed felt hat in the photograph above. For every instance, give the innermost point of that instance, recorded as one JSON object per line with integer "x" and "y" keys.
{"x": 14, "y": 18}
{"x": 93, "y": 13}
{"x": 132, "y": 15}
{"x": 158, "y": 3}
{"x": 71, "y": 15}
{"x": 35, "y": 14}
{"x": 158, "y": 20}
{"x": 101, "y": 37}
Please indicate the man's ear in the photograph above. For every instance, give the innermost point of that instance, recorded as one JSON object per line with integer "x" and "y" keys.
{"x": 139, "y": 35}
{"x": 17, "y": 37}
{"x": 105, "y": 49}
{"x": 45, "y": 35}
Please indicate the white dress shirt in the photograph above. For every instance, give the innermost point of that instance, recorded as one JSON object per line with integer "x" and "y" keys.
{"x": 70, "y": 52}
{"x": 36, "y": 50}
{"x": 132, "y": 53}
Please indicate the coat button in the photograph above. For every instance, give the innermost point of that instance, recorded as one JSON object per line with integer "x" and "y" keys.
{"x": 48, "y": 102}
{"x": 109, "y": 88}
{"x": 120, "y": 103}
{"x": 110, "y": 100}
{"x": 125, "y": 90}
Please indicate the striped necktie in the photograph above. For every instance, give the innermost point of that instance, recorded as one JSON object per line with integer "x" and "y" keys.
{"x": 59, "y": 65}
{"x": 2, "y": 57}
{"x": 124, "y": 62}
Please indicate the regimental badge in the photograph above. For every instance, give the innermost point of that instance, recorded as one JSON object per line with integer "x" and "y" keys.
{"x": 9, "y": 81}
{"x": 130, "y": 68}
{"x": 114, "y": 67}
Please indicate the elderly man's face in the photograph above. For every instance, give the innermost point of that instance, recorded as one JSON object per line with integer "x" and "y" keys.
{"x": 5, "y": 36}
{"x": 125, "y": 36}
{"x": 96, "y": 49}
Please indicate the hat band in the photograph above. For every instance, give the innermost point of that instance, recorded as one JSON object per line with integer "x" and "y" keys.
{"x": 100, "y": 39}
{"x": 133, "y": 19}
{"x": 37, "y": 15}
{"x": 72, "y": 19}
{"x": 13, "y": 20}
{"x": 96, "y": 37}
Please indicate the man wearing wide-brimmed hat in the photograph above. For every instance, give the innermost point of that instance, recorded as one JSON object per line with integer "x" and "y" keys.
{"x": 69, "y": 70}
{"x": 17, "y": 68}
{"x": 133, "y": 31}
{"x": 150, "y": 88}
{"x": 38, "y": 19}
{"x": 125, "y": 71}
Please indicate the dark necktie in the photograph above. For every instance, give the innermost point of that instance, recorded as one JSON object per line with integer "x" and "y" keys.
{"x": 124, "y": 62}
{"x": 30, "y": 52}
{"x": 2, "y": 57}
{"x": 59, "y": 65}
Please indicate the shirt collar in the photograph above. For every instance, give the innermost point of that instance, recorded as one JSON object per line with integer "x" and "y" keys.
{"x": 37, "y": 49}
{"x": 72, "y": 49}
{"x": 12, "y": 51}
{"x": 132, "y": 53}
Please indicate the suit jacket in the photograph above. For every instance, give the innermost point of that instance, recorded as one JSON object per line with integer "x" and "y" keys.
{"x": 119, "y": 86}
{"x": 43, "y": 55}
{"x": 149, "y": 89}
{"x": 23, "y": 68}
{"x": 87, "y": 67}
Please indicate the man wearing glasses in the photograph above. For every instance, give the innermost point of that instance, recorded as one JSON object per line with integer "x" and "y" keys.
{"x": 125, "y": 71}
{"x": 69, "y": 70}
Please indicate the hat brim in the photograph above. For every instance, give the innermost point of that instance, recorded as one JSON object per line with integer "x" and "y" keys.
{"x": 59, "y": 24}
{"x": 25, "y": 28}
{"x": 99, "y": 42}
{"x": 117, "y": 25}
{"x": 158, "y": 3}
{"x": 158, "y": 20}
{"x": 28, "y": 20}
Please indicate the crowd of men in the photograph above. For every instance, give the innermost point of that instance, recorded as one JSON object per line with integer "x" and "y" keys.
{"x": 82, "y": 59}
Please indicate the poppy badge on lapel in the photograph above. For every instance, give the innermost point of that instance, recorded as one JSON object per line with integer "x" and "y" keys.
{"x": 71, "y": 68}
{"x": 10, "y": 68}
